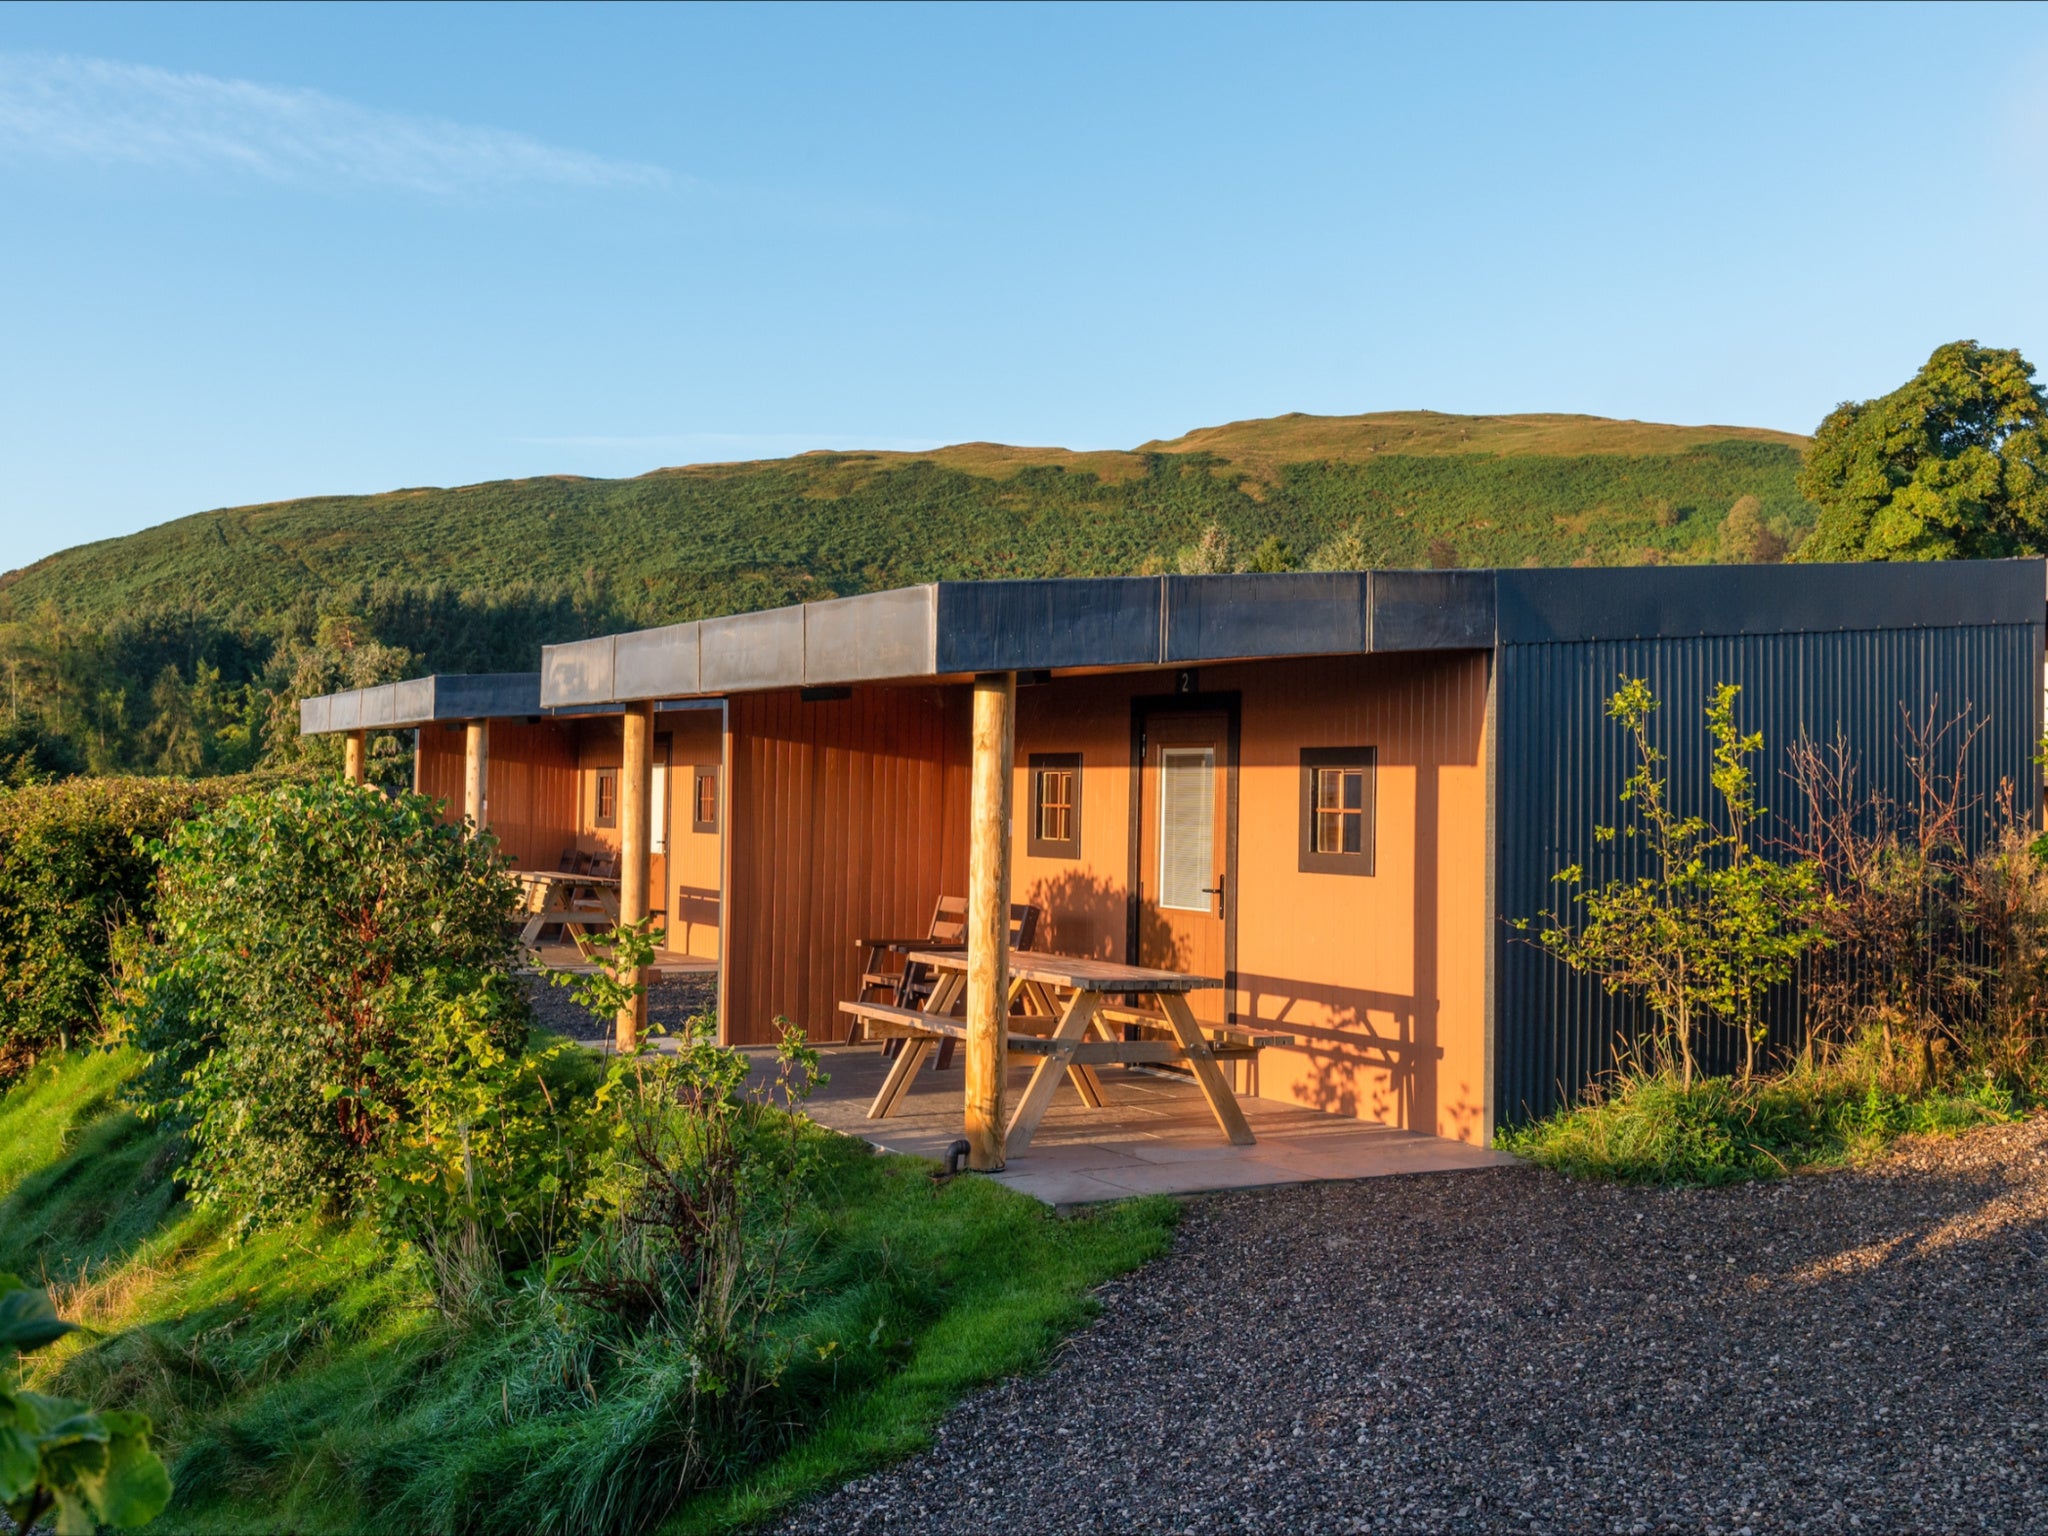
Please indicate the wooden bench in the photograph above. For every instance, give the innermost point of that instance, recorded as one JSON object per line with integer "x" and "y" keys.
{"x": 890, "y": 1021}
{"x": 1228, "y": 1042}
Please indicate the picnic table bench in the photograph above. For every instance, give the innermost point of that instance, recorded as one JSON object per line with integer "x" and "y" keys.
{"x": 1065, "y": 999}
{"x": 573, "y": 901}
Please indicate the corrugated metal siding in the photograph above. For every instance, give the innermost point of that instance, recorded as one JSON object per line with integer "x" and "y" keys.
{"x": 847, "y": 818}
{"x": 1562, "y": 763}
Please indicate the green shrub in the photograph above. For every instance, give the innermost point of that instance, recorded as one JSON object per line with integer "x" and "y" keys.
{"x": 485, "y": 1169}
{"x": 307, "y": 940}
{"x": 71, "y": 872}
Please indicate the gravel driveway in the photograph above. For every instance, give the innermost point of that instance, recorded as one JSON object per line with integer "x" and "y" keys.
{"x": 1510, "y": 1350}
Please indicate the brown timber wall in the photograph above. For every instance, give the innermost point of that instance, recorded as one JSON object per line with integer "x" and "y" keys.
{"x": 847, "y": 818}
{"x": 529, "y": 785}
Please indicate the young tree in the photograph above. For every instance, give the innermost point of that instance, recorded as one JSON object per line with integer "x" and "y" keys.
{"x": 1211, "y": 557}
{"x": 1952, "y": 465}
{"x": 1746, "y": 539}
{"x": 1708, "y": 926}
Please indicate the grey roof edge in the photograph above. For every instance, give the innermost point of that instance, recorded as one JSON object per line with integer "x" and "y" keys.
{"x": 422, "y": 700}
{"x": 1672, "y": 602}
{"x": 951, "y": 628}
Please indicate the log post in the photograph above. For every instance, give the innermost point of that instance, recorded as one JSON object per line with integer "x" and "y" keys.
{"x": 355, "y": 751}
{"x": 988, "y": 916}
{"x": 476, "y": 766}
{"x": 636, "y": 797}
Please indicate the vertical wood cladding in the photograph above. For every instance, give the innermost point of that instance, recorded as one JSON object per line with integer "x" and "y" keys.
{"x": 847, "y": 818}
{"x": 529, "y": 785}
{"x": 1562, "y": 763}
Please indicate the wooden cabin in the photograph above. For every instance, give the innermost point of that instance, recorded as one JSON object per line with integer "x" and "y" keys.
{"x": 546, "y": 783}
{"x": 1332, "y": 791}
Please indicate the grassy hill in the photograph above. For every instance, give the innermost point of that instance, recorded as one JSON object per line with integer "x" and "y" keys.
{"x": 180, "y": 649}
{"x": 681, "y": 543}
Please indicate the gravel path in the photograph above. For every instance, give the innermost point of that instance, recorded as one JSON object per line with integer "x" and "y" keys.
{"x": 670, "y": 1000}
{"x": 1510, "y": 1350}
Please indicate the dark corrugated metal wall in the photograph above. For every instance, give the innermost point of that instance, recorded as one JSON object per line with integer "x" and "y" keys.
{"x": 1562, "y": 762}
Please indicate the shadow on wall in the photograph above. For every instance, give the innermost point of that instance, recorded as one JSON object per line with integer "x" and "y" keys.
{"x": 1362, "y": 1054}
{"x": 1089, "y": 917}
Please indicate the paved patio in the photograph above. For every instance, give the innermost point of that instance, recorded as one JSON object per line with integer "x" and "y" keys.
{"x": 1156, "y": 1136}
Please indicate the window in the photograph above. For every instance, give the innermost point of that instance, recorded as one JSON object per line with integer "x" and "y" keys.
{"x": 607, "y": 797}
{"x": 704, "y": 801}
{"x": 1187, "y": 828}
{"x": 1336, "y": 810}
{"x": 1055, "y": 806}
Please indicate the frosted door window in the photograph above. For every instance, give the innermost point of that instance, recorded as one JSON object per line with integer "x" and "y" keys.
{"x": 1187, "y": 827}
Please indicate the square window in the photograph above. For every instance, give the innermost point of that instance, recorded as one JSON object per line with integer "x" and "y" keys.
{"x": 1055, "y": 827}
{"x": 607, "y": 797}
{"x": 704, "y": 801}
{"x": 1336, "y": 810}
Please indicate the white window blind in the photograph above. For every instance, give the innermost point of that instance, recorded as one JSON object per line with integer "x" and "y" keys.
{"x": 1187, "y": 827}
{"x": 657, "y": 830}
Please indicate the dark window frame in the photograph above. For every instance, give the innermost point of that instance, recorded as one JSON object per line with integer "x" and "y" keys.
{"x": 1068, "y": 847}
{"x": 1314, "y": 861}
{"x": 598, "y": 818}
{"x": 699, "y": 775}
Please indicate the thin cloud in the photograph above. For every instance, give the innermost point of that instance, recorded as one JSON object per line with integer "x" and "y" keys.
{"x": 56, "y": 107}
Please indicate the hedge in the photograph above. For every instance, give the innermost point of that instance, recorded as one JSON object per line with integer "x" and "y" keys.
{"x": 72, "y": 870}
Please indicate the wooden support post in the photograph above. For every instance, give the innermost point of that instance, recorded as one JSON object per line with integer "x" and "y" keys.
{"x": 476, "y": 767}
{"x": 355, "y": 752}
{"x": 988, "y": 916}
{"x": 636, "y": 802}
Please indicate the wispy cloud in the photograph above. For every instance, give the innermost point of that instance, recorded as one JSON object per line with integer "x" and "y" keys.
{"x": 57, "y": 107}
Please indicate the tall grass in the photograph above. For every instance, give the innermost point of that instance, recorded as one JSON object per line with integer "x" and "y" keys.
{"x": 303, "y": 1378}
{"x": 1653, "y": 1129}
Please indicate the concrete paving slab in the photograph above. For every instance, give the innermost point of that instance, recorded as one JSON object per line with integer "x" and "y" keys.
{"x": 1155, "y": 1135}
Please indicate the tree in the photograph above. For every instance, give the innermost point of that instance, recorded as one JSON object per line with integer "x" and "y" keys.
{"x": 1953, "y": 465}
{"x": 1705, "y": 927}
{"x": 1211, "y": 557}
{"x": 1746, "y": 539}
{"x": 1271, "y": 555}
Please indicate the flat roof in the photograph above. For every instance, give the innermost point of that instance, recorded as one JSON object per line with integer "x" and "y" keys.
{"x": 957, "y": 628}
{"x": 421, "y": 701}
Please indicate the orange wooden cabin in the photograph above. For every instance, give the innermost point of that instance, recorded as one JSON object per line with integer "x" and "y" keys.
{"x": 1333, "y": 792}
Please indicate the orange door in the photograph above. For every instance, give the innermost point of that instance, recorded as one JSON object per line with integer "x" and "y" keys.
{"x": 1184, "y": 850}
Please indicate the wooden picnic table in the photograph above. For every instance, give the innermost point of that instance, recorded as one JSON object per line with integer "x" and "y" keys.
{"x": 1065, "y": 998}
{"x": 575, "y": 901}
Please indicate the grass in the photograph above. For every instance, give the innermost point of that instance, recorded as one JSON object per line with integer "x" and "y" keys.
{"x": 301, "y": 1380}
{"x": 1651, "y": 1129}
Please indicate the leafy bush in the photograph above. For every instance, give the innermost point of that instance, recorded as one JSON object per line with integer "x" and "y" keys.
{"x": 308, "y": 940}
{"x": 93, "y": 1469}
{"x": 489, "y": 1149}
{"x": 71, "y": 872}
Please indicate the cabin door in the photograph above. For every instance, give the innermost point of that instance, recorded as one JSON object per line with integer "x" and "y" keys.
{"x": 1185, "y": 883}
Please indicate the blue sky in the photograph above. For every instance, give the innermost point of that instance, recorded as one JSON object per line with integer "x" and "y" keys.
{"x": 253, "y": 253}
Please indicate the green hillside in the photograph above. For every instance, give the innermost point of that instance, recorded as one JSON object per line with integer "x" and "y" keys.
{"x": 349, "y": 588}
{"x": 682, "y": 543}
